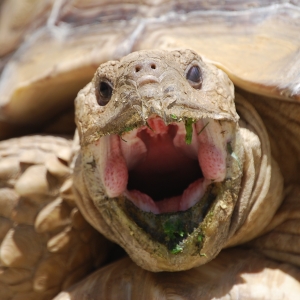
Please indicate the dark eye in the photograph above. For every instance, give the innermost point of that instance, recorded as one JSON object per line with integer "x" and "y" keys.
{"x": 104, "y": 92}
{"x": 194, "y": 77}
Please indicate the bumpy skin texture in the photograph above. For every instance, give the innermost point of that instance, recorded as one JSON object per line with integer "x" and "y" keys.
{"x": 45, "y": 243}
{"x": 131, "y": 105}
{"x": 256, "y": 43}
{"x": 261, "y": 210}
{"x": 42, "y": 79}
{"x": 55, "y": 217}
{"x": 235, "y": 216}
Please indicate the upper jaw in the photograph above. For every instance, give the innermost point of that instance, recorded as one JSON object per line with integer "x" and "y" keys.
{"x": 165, "y": 96}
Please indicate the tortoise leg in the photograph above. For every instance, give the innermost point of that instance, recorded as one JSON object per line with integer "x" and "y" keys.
{"x": 45, "y": 243}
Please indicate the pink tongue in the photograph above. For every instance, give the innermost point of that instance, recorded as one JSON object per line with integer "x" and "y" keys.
{"x": 141, "y": 200}
{"x": 145, "y": 203}
{"x": 211, "y": 154}
{"x": 169, "y": 205}
{"x": 190, "y": 197}
{"x": 212, "y": 162}
{"x": 133, "y": 149}
{"x": 113, "y": 167}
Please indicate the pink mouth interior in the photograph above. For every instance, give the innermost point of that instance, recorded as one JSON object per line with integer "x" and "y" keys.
{"x": 155, "y": 168}
{"x": 167, "y": 171}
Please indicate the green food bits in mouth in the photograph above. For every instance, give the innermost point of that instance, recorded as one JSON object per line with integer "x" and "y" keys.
{"x": 189, "y": 130}
{"x": 177, "y": 249}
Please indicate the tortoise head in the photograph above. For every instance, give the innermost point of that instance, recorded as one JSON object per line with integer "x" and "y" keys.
{"x": 160, "y": 164}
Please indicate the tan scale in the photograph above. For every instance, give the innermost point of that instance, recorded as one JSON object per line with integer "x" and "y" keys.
{"x": 39, "y": 243}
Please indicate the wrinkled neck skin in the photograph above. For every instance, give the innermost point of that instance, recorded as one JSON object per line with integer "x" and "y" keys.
{"x": 157, "y": 131}
{"x": 261, "y": 190}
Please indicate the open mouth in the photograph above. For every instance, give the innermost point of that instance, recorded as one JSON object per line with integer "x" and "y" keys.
{"x": 164, "y": 168}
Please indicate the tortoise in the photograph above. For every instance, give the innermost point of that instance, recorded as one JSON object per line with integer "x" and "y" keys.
{"x": 196, "y": 178}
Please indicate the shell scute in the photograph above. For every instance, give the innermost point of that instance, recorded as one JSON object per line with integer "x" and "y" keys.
{"x": 37, "y": 234}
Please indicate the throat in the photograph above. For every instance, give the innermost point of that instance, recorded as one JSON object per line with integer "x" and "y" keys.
{"x": 165, "y": 171}
{"x": 164, "y": 183}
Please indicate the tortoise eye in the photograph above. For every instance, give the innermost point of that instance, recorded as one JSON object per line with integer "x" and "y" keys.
{"x": 194, "y": 77}
{"x": 103, "y": 93}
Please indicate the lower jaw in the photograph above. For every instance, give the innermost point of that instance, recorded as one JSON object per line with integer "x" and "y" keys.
{"x": 145, "y": 236}
{"x": 171, "y": 228}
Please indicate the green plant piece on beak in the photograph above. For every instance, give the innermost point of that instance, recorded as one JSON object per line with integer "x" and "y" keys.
{"x": 189, "y": 130}
{"x": 177, "y": 249}
{"x": 173, "y": 229}
{"x": 200, "y": 238}
{"x": 127, "y": 129}
{"x": 174, "y": 117}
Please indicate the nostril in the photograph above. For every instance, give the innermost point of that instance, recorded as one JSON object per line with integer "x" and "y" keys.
{"x": 137, "y": 68}
{"x": 153, "y": 66}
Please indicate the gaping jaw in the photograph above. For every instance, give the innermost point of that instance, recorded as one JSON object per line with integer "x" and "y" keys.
{"x": 164, "y": 173}
{"x": 161, "y": 163}
{"x": 163, "y": 168}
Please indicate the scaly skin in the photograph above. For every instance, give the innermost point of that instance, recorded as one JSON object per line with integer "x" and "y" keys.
{"x": 35, "y": 179}
{"x": 251, "y": 177}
